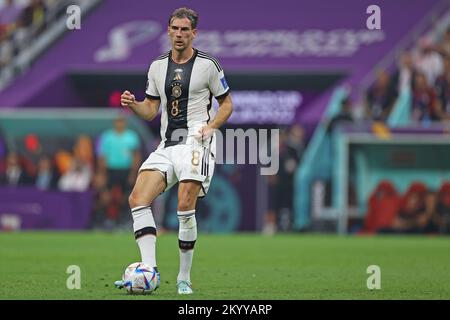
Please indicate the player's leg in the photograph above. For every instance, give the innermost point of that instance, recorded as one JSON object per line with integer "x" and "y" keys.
{"x": 149, "y": 184}
{"x": 188, "y": 191}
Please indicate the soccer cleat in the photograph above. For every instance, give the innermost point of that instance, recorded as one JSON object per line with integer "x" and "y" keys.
{"x": 159, "y": 280}
{"x": 184, "y": 287}
{"x": 119, "y": 284}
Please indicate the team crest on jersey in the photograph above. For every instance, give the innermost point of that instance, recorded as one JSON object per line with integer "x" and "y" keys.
{"x": 176, "y": 91}
{"x": 178, "y": 73}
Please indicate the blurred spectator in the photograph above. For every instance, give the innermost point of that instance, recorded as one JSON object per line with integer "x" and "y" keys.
{"x": 21, "y": 36}
{"x": 119, "y": 159}
{"x": 428, "y": 61}
{"x": 415, "y": 211}
{"x": 343, "y": 116}
{"x": 102, "y": 200}
{"x": 31, "y": 154}
{"x": 6, "y": 50}
{"x": 411, "y": 210}
{"x": 380, "y": 97}
{"x": 425, "y": 105}
{"x": 83, "y": 150}
{"x": 77, "y": 178}
{"x": 34, "y": 15}
{"x": 119, "y": 154}
{"x": 441, "y": 217}
{"x": 382, "y": 207}
{"x": 63, "y": 161}
{"x": 443, "y": 90}
{"x": 444, "y": 46}
{"x": 46, "y": 176}
{"x": 9, "y": 14}
{"x": 281, "y": 186}
{"x": 296, "y": 140}
{"x": 403, "y": 77}
{"x": 14, "y": 174}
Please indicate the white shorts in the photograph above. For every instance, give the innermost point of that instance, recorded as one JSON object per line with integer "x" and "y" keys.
{"x": 190, "y": 161}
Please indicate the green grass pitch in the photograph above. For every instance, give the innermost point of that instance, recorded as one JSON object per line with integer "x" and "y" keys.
{"x": 233, "y": 266}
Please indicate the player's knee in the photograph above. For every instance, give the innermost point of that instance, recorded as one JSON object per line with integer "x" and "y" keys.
{"x": 184, "y": 206}
{"x": 186, "y": 203}
{"x": 136, "y": 199}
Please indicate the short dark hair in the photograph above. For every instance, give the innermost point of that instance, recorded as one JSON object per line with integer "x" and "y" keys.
{"x": 184, "y": 12}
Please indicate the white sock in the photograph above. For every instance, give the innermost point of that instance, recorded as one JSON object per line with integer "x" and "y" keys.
{"x": 145, "y": 233}
{"x": 187, "y": 235}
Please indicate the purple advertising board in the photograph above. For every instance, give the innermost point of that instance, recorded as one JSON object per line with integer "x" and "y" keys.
{"x": 27, "y": 208}
{"x": 278, "y": 36}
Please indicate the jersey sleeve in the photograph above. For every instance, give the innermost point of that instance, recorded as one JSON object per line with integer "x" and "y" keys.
{"x": 151, "y": 91}
{"x": 217, "y": 83}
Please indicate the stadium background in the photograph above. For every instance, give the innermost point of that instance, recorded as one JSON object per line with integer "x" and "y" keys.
{"x": 292, "y": 65}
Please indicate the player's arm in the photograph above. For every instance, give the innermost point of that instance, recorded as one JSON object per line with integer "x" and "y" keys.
{"x": 147, "y": 109}
{"x": 222, "y": 115}
{"x": 219, "y": 88}
{"x": 224, "y": 112}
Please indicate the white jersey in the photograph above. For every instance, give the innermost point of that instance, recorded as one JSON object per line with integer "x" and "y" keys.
{"x": 185, "y": 91}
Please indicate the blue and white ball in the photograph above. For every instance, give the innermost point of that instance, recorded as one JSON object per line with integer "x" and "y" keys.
{"x": 140, "y": 278}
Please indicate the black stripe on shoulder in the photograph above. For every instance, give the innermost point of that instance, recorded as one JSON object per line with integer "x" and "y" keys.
{"x": 163, "y": 56}
{"x": 214, "y": 60}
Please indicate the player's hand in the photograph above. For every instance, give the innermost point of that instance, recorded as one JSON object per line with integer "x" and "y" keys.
{"x": 205, "y": 132}
{"x": 127, "y": 99}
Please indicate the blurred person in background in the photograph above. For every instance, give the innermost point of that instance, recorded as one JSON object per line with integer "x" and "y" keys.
{"x": 34, "y": 16}
{"x": 21, "y": 36}
{"x": 14, "y": 174}
{"x": 6, "y": 49}
{"x": 380, "y": 97}
{"x": 281, "y": 186}
{"x": 77, "y": 178}
{"x": 426, "y": 106}
{"x": 119, "y": 154}
{"x": 83, "y": 150}
{"x": 444, "y": 45}
{"x": 415, "y": 211}
{"x": 32, "y": 153}
{"x": 46, "y": 176}
{"x": 344, "y": 115}
{"x": 9, "y": 14}
{"x": 441, "y": 217}
{"x": 428, "y": 61}
{"x": 119, "y": 159}
{"x": 403, "y": 77}
{"x": 102, "y": 196}
{"x": 442, "y": 87}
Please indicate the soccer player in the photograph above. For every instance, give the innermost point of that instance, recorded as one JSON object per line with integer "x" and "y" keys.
{"x": 183, "y": 82}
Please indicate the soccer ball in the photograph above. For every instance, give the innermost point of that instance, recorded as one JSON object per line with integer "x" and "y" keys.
{"x": 140, "y": 278}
